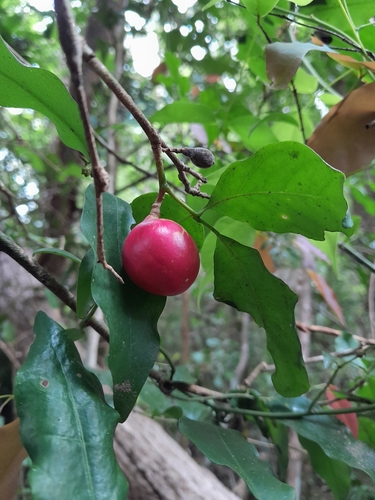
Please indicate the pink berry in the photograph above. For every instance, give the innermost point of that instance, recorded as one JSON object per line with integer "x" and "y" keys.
{"x": 161, "y": 257}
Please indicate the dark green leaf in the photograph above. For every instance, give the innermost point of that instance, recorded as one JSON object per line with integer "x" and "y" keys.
{"x": 367, "y": 431}
{"x": 228, "y": 447}
{"x": 283, "y": 188}
{"x": 131, "y": 313}
{"x": 329, "y": 433}
{"x": 27, "y": 87}
{"x": 66, "y": 426}
{"x": 170, "y": 209}
{"x": 334, "y": 472}
{"x": 59, "y": 252}
{"x": 242, "y": 281}
{"x": 183, "y": 112}
{"x": 84, "y": 297}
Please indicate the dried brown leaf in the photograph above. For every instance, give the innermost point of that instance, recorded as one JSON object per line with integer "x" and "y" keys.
{"x": 345, "y": 138}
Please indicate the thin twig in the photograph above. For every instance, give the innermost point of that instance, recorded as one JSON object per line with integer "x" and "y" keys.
{"x": 152, "y": 134}
{"x": 295, "y": 95}
{"x": 72, "y": 48}
{"x": 8, "y": 246}
{"x": 357, "y": 256}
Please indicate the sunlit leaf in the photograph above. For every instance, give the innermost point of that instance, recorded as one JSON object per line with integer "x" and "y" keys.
{"x": 330, "y": 11}
{"x": 228, "y": 447}
{"x": 242, "y": 281}
{"x": 260, "y": 7}
{"x": 66, "y": 426}
{"x": 344, "y": 138}
{"x": 131, "y": 313}
{"x": 283, "y": 188}
{"x": 28, "y": 87}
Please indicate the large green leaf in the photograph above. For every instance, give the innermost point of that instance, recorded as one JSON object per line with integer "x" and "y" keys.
{"x": 228, "y": 447}
{"x": 329, "y": 433}
{"x": 131, "y": 313}
{"x": 361, "y": 11}
{"x": 28, "y": 87}
{"x": 66, "y": 425}
{"x": 334, "y": 472}
{"x": 183, "y": 112}
{"x": 260, "y": 7}
{"x": 242, "y": 281}
{"x": 170, "y": 209}
{"x": 283, "y": 188}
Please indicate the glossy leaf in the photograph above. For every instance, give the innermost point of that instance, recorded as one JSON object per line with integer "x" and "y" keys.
{"x": 228, "y": 447}
{"x": 11, "y": 457}
{"x": 242, "y": 281}
{"x": 284, "y": 59}
{"x": 183, "y": 112}
{"x": 131, "y": 313}
{"x": 84, "y": 297}
{"x": 66, "y": 425}
{"x": 170, "y": 209}
{"x": 28, "y": 87}
{"x": 59, "y": 252}
{"x": 329, "y": 433}
{"x": 334, "y": 472}
{"x": 283, "y": 188}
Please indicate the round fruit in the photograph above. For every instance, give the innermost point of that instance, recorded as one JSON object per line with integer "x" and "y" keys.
{"x": 160, "y": 257}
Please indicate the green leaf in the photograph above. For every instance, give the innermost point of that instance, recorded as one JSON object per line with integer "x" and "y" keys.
{"x": 334, "y": 472}
{"x": 228, "y": 447}
{"x": 329, "y": 433}
{"x": 242, "y": 281}
{"x": 367, "y": 431}
{"x": 183, "y": 112}
{"x": 260, "y": 7}
{"x": 284, "y": 59}
{"x": 170, "y": 209}
{"x": 84, "y": 297}
{"x": 59, "y": 252}
{"x": 131, "y": 313}
{"x": 66, "y": 425}
{"x": 28, "y": 87}
{"x": 361, "y": 11}
{"x": 283, "y": 188}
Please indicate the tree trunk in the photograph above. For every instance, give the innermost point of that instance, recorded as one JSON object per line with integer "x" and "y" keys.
{"x": 157, "y": 468}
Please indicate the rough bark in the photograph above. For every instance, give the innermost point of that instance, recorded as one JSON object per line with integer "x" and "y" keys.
{"x": 157, "y": 468}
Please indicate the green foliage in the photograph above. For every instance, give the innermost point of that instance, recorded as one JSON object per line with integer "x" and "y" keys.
{"x": 66, "y": 425}
{"x": 283, "y": 188}
{"x": 242, "y": 281}
{"x": 28, "y": 87}
{"x": 131, "y": 313}
{"x": 228, "y": 447}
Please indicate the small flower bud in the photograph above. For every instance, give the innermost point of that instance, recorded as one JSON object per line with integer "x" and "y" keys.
{"x": 200, "y": 157}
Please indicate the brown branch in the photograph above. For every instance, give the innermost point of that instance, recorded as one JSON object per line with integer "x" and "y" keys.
{"x": 72, "y": 48}
{"x": 8, "y": 246}
{"x": 152, "y": 134}
{"x": 331, "y": 331}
